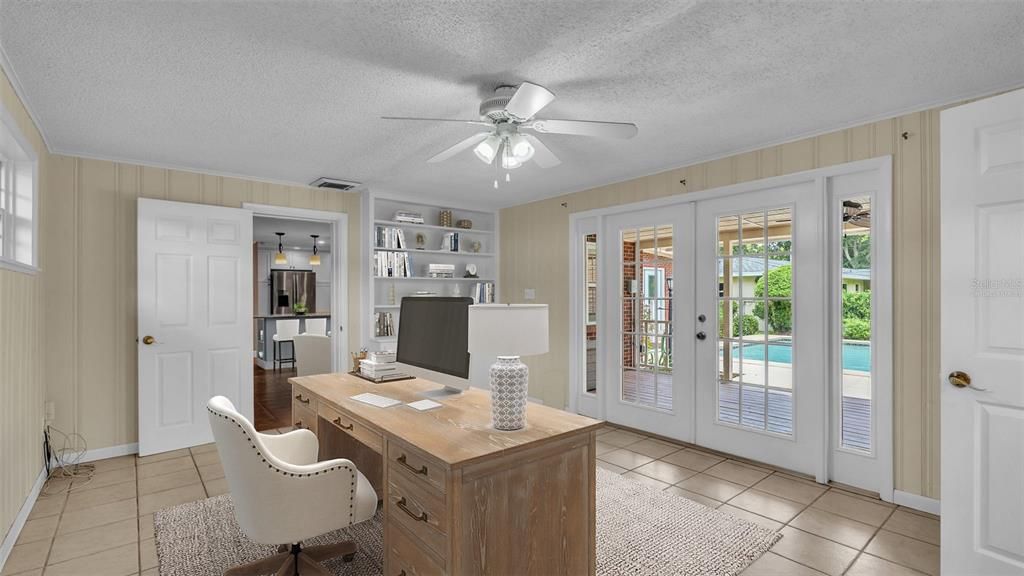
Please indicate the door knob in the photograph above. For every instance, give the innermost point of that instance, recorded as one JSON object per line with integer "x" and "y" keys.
{"x": 701, "y": 335}
{"x": 148, "y": 340}
{"x": 702, "y": 318}
{"x": 963, "y": 380}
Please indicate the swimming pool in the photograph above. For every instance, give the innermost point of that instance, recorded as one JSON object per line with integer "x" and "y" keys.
{"x": 855, "y": 356}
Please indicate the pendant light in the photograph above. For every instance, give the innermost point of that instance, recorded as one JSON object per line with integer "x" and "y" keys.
{"x": 314, "y": 260}
{"x": 280, "y": 258}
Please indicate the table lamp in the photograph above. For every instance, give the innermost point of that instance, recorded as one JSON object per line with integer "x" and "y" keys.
{"x": 508, "y": 331}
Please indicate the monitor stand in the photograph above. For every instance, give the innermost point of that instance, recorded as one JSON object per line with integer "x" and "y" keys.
{"x": 442, "y": 392}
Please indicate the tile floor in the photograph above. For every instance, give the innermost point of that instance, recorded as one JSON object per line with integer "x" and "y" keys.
{"x": 825, "y": 530}
{"x": 105, "y": 526}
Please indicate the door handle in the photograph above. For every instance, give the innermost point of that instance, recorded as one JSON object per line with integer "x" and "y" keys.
{"x": 148, "y": 340}
{"x": 963, "y": 380}
{"x": 701, "y": 335}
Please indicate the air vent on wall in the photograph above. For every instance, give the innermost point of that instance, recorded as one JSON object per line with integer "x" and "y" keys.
{"x": 333, "y": 183}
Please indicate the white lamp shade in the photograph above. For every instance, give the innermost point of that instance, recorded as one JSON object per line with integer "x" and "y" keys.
{"x": 508, "y": 329}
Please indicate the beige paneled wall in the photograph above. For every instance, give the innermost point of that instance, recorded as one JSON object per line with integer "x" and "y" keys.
{"x": 91, "y": 302}
{"x": 534, "y": 254}
{"x": 21, "y": 356}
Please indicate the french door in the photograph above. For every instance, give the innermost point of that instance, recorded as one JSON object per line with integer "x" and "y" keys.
{"x": 713, "y": 323}
{"x": 760, "y": 329}
{"x": 649, "y": 371}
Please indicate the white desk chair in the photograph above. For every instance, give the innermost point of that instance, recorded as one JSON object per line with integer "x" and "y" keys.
{"x": 312, "y": 354}
{"x": 316, "y": 326}
{"x": 283, "y": 496}
{"x": 286, "y": 330}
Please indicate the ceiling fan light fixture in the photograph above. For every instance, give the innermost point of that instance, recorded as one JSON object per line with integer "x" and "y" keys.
{"x": 521, "y": 148}
{"x": 509, "y": 162}
{"x": 488, "y": 149}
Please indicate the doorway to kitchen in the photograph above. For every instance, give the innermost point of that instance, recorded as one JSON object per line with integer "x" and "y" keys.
{"x": 299, "y": 304}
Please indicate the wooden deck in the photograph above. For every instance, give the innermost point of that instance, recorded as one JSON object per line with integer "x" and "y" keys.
{"x": 639, "y": 386}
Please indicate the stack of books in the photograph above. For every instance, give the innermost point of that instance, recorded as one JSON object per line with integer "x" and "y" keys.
{"x": 392, "y": 265}
{"x": 379, "y": 366}
{"x": 385, "y": 324}
{"x": 409, "y": 217}
{"x": 450, "y": 242}
{"x": 441, "y": 270}
{"x": 482, "y": 293}
{"x": 390, "y": 238}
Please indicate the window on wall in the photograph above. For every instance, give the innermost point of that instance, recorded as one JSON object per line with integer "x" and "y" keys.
{"x": 855, "y": 324}
{"x": 590, "y": 278}
{"x": 17, "y": 198}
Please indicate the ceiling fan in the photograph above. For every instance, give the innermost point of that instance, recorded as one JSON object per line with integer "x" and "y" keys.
{"x": 507, "y": 116}
{"x": 854, "y": 213}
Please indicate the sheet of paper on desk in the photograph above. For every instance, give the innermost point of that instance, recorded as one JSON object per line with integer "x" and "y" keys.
{"x": 423, "y": 405}
{"x": 375, "y": 400}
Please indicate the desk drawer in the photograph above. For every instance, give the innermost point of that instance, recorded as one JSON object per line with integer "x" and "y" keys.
{"x": 353, "y": 427}
{"x": 419, "y": 510}
{"x": 417, "y": 466}
{"x": 407, "y": 558}
{"x": 302, "y": 396}
{"x": 303, "y": 417}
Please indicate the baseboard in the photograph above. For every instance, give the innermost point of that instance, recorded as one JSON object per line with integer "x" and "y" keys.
{"x": 110, "y": 452}
{"x": 917, "y": 502}
{"x": 20, "y": 519}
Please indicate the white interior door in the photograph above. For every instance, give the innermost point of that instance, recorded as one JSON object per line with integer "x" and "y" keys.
{"x": 982, "y": 175}
{"x": 761, "y": 352}
{"x": 195, "y": 314}
{"x": 648, "y": 373}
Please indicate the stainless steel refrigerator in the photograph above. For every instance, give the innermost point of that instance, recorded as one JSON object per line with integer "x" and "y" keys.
{"x": 291, "y": 287}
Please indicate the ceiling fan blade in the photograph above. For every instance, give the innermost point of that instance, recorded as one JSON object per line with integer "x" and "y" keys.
{"x": 623, "y": 130}
{"x": 528, "y": 100}
{"x": 473, "y": 122}
{"x": 542, "y": 155}
{"x": 462, "y": 145}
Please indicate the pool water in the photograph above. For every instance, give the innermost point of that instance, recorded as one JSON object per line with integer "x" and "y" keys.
{"x": 855, "y": 356}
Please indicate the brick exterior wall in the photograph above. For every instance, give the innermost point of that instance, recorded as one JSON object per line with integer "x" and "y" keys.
{"x": 628, "y": 321}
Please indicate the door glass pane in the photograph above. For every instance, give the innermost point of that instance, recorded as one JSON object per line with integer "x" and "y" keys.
{"x": 755, "y": 311}
{"x": 855, "y": 255}
{"x": 590, "y": 315}
{"x": 647, "y": 259}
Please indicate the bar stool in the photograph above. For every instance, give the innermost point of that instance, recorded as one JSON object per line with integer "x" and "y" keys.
{"x": 316, "y": 326}
{"x": 286, "y": 331}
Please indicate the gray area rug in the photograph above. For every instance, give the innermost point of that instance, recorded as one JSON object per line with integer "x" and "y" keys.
{"x": 640, "y": 530}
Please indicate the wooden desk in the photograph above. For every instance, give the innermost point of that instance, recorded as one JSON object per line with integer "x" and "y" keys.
{"x": 460, "y": 497}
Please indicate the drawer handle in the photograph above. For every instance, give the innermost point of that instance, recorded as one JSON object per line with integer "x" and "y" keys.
{"x": 421, "y": 470}
{"x": 300, "y": 399}
{"x": 298, "y": 424}
{"x": 422, "y": 517}
{"x": 337, "y": 422}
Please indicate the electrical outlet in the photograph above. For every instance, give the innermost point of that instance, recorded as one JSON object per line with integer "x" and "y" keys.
{"x": 530, "y": 294}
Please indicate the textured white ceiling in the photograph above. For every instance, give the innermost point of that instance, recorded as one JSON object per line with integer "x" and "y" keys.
{"x": 291, "y": 91}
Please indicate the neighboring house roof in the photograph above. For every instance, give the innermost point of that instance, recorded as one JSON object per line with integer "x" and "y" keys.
{"x": 755, "y": 267}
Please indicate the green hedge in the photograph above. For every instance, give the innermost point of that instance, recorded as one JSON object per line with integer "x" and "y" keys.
{"x": 750, "y": 325}
{"x": 857, "y": 305}
{"x": 856, "y": 329}
{"x": 780, "y": 313}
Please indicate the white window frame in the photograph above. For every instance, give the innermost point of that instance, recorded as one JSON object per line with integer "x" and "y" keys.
{"x": 16, "y": 154}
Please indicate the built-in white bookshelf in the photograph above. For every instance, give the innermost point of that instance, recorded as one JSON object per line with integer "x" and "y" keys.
{"x": 477, "y": 246}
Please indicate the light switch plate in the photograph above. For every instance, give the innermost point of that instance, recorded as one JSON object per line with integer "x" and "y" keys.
{"x": 529, "y": 294}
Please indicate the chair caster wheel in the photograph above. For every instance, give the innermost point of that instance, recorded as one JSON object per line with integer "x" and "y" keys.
{"x": 348, "y": 557}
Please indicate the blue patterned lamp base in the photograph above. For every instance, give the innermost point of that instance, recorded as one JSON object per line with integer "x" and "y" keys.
{"x": 509, "y": 380}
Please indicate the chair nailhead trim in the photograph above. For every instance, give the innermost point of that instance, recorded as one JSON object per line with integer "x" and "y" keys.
{"x": 248, "y": 438}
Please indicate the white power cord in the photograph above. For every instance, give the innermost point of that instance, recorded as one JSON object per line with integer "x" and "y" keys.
{"x": 67, "y": 461}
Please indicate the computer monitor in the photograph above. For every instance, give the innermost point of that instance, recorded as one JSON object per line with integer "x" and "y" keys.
{"x": 433, "y": 339}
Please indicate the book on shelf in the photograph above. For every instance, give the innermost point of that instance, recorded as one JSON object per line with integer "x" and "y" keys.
{"x": 388, "y": 237}
{"x": 384, "y": 324}
{"x": 482, "y": 293}
{"x": 409, "y": 217}
{"x": 440, "y": 270}
{"x": 392, "y": 265}
{"x": 450, "y": 242}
